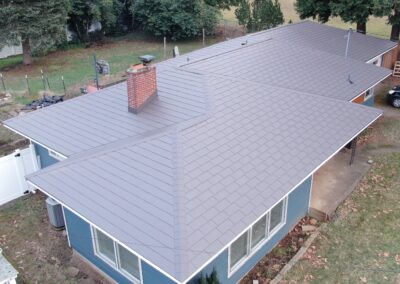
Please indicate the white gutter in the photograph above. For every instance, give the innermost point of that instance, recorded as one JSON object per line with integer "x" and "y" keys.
{"x": 36, "y": 142}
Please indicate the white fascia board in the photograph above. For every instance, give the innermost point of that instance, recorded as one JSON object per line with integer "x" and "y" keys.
{"x": 227, "y": 245}
{"x": 383, "y": 53}
{"x": 36, "y": 142}
{"x": 106, "y": 233}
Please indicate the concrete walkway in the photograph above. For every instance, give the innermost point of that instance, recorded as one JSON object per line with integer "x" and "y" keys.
{"x": 334, "y": 181}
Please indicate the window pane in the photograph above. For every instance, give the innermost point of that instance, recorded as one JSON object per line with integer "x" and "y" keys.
{"x": 105, "y": 246}
{"x": 276, "y": 216}
{"x": 258, "y": 231}
{"x": 239, "y": 249}
{"x": 129, "y": 262}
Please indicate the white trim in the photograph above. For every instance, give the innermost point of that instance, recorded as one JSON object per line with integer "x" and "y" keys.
{"x": 373, "y": 86}
{"x": 66, "y": 226}
{"x": 227, "y": 245}
{"x": 268, "y": 236}
{"x": 90, "y": 223}
{"x": 295, "y": 187}
{"x": 36, "y": 142}
{"x": 382, "y": 54}
{"x": 379, "y": 58}
{"x": 117, "y": 264}
{"x": 311, "y": 190}
{"x": 56, "y": 155}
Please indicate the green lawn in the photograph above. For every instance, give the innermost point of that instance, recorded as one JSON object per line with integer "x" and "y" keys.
{"x": 363, "y": 244}
{"x": 76, "y": 65}
{"x": 375, "y": 26}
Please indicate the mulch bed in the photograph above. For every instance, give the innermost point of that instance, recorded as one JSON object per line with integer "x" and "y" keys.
{"x": 269, "y": 267}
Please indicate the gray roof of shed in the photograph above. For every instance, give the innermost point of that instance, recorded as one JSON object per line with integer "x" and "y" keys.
{"x": 174, "y": 197}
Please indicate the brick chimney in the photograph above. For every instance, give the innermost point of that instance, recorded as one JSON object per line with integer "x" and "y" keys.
{"x": 142, "y": 84}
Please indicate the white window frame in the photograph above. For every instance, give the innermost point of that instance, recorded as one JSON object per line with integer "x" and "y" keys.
{"x": 370, "y": 95}
{"x": 268, "y": 236}
{"x": 117, "y": 264}
{"x": 55, "y": 155}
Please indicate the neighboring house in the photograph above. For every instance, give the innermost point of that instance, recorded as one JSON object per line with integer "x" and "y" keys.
{"x": 204, "y": 161}
{"x": 10, "y": 50}
{"x": 8, "y": 274}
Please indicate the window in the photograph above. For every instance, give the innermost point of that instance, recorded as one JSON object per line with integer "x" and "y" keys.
{"x": 258, "y": 231}
{"x": 105, "y": 246}
{"x": 239, "y": 249}
{"x": 276, "y": 216}
{"x": 256, "y": 235}
{"x": 55, "y": 155}
{"x": 116, "y": 255}
{"x": 128, "y": 262}
{"x": 369, "y": 94}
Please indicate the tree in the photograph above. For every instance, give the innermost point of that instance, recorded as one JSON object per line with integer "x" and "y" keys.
{"x": 391, "y": 9}
{"x": 209, "y": 279}
{"x": 316, "y": 9}
{"x": 354, "y": 11}
{"x": 259, "y": 14}
{"x": 350, "y": 11}
{"x": 38, "y": 24}
{"x": 175, "y": 18}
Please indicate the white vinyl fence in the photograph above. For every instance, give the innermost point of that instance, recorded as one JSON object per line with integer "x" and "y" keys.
{"x": 13, "y": 169}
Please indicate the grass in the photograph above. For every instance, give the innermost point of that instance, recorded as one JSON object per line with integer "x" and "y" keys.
{"x": 375, "y": 26}
{"x": 363, "y": 244}
{"x": 76, "y": 65}
{"x": 10, "y": 62}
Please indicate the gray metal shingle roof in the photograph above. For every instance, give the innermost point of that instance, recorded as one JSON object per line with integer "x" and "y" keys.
{"x": 244, "y": 154}
{"x": 93, "y": 120}
{"x": 168, "y": 182}
{"x": 306, "y": 70}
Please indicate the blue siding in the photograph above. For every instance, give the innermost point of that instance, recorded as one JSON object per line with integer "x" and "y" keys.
{"x": 151, "y": 275}
{"x": 45, "y": 159}
{"x": 81, "y": 240}
{"x": 297, "y": 209}
{"x": 80, "y": 237}
{"x": 370, "y": 101}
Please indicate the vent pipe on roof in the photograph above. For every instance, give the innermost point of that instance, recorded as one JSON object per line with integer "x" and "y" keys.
{"x": 142, "y": 84}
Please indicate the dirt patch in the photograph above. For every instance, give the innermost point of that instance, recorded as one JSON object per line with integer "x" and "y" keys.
{"x": 39, "y": 253}
{"x": 269, "y": 267}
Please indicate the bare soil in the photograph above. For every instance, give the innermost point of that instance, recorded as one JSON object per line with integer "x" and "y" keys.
{"x": 40, "y": 253}
{"x": 268, "y": 267}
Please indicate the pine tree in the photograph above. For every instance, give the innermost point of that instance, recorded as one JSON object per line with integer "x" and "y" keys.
{"x": 38, "y": 24}
{"x": 391, "y": 9}
{"x": 258, "y": 15}
{"x": 354, "y": 11}
{"x": 316, "y": 9}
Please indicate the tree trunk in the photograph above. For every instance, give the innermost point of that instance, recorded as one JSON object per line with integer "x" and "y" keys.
{"x": 361, "y": 28}
{"x": 394, "y": 35}
{"x": 26, "y": 52}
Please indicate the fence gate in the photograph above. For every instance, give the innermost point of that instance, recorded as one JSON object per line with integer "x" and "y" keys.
{"x": 13, "y": 169}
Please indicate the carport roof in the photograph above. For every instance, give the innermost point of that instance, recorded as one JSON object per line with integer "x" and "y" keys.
{"x": 173, "y": 197}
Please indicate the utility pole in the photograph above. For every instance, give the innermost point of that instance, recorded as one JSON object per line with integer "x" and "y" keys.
{"x": 349, "y": 33}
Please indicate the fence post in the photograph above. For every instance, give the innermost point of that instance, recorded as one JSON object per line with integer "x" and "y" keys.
{"x": 27, "y": 83}
{"x": 204, "y": 37}
{"x": 95, "y": 70}
{"x": 48, "y": 84}
{"x": 43, "y": 81}
{"x": 2, "y": 82}
{"x": 165, "y": 47}
{"x": 65, "y": 90}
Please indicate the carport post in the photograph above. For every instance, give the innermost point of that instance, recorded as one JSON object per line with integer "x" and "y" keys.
{"x": 353, "y": 150}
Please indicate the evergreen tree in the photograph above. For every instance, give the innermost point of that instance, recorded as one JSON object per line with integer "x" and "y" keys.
{"x": 258, "y": 15}
{"x": 316, "y": 9}
{"x": 350, "y": 11}
{"x": 38, "y": 24}
{"x": 354, "y": 11}
{"x": 391, "y": 9}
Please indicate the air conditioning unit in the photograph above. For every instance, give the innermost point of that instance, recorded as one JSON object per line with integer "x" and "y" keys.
{"x": 56, "y": 216}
